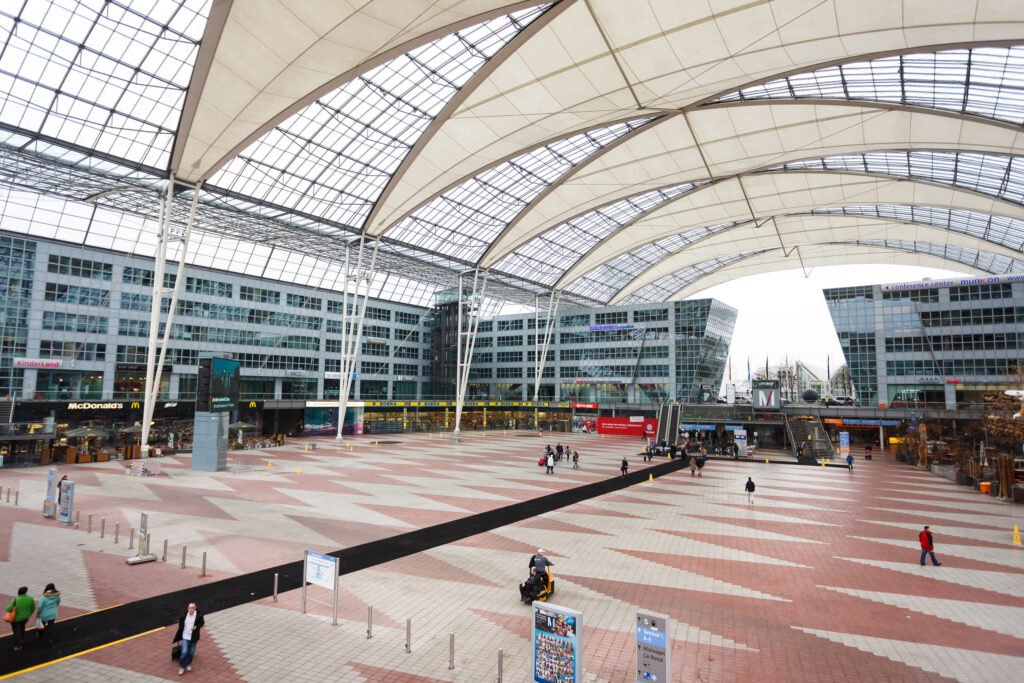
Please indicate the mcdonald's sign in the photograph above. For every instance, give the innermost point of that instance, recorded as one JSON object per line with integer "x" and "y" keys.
{"x": 252, "y": 404}
{"x": 135, "y": 405}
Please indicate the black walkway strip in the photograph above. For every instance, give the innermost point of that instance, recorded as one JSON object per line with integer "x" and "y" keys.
{"x": 101, "y": 628}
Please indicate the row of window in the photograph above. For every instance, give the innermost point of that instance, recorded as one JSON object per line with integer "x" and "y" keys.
{"x": 72, "y": 294}
{"x": 958, "y": 366}
{"x": 973, "y": 316}
{"x": 956, "y": 342}
{"x": 613, "y": 353}
{"x": 74, "y": 322}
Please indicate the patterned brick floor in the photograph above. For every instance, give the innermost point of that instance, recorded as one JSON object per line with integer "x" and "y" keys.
{"x": 817, "y": 580}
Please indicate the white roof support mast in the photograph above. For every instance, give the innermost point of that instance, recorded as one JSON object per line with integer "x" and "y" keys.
{"x": 352, "y": 321}
{"x": 464, "y": 347}
{"x": 168, "y": 234}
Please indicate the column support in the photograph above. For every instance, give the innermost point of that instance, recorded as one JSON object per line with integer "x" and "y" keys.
{"x": 464, "y": 348}
{"x": 167, "y": 235}
{"x": 352, "y": 323}
{"x": 549, "y": 326}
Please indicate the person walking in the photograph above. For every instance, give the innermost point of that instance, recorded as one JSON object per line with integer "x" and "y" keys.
{"x": 624, "y": 467}
{"x": 23, "y": 605}
{"x": 693, "y": 465}
{"x": 575, "y": 460}
{"x": 549, "y": 462}
{"x": 928, "y": 546}
{"x": 849, "y": 462}
{"x": 47, "y": 610}
{"x": 187, "y": 636}
{"x": 750, "y": 490}
{"x": 700, "y": 465}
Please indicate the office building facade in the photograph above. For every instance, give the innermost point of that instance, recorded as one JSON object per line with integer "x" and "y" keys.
{"x": 76, "y": 321}
{"x": 950, "y": 343}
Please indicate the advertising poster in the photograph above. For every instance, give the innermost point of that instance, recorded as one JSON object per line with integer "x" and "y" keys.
{"x": 324, "y": 421}
{"x": 67, "y": 501}
{"x": 557, "y": 644}
{"x": 628, "y": 426}
{"x": 844, "y": 443}
{"x": 50, "y": 501}
{"x": 225, "y": 382}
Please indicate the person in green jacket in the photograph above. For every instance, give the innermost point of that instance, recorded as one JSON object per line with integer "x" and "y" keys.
{"x": 23, "y": 605}
{"x": 47, "y": 611}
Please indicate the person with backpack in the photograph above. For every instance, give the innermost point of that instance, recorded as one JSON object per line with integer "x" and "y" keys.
{"x": 927, "y": 546}
{"x": 750, "y": 490}
{"x": 700, "y": 465}
{"x": 849, "y": 462}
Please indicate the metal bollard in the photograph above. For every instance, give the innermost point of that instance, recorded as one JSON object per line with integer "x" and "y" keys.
{"x": 451, "y": 651}
{"x": 78, "y": 517}
{"x": 17, "y": 494}
{"x": 131, "y": 537}
{"x": 88, "y": 526}
{"x": 146, "y": 540}
{"x": 275, "y": 586}
{"x": 369, "y": 622}
{"x": 8, "y": 494}
{"x": 408, "y": 635}
{"x": 203, "y": 571}
{"x": 501, "y": 662}
{"x": 103, "y": 527}
{"x": 117, "y": 532}
{"x": 163, "y": 558}
{"x": 184, "y": 549}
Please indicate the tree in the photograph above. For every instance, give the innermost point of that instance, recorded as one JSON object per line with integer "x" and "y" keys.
{"x": 841, "y": 382}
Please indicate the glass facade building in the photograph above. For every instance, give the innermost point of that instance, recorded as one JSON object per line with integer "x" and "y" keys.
{"x": 931, "y": 343}
{"x": 78, "y": 321}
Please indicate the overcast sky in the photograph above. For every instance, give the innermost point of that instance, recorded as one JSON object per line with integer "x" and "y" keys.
{"x": 784, "y": 315}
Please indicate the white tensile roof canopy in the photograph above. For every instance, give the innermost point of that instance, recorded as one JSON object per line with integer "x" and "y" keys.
{"x": 617, "y": 152}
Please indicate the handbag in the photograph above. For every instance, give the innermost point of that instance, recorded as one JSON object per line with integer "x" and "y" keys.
{"x": 175, "y": 652}
{"x": 9, "y": 616}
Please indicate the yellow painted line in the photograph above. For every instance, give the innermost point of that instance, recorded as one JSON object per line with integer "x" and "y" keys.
{"x": 79, "y": 654}
{"x": 77, "y": 616}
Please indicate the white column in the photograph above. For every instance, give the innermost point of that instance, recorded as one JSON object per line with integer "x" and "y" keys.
{"x": 351, "y": 338}
{"x": 154, "y": 365}
{"x": 464, "y": 349}
{"x": 542, "y": 356}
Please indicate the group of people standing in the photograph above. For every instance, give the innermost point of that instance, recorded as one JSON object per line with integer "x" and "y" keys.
{"x": 553, "y": 456}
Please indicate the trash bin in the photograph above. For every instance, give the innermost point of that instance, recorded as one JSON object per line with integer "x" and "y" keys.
{"x": 985, "y": 487}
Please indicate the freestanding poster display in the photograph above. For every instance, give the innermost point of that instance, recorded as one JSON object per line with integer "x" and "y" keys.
{"x": 652, "y": 648}
{"x": 557, "y": 644}
{"x": 50, "y": 501}
{"x": 321, "y": 570}
{"x": 844, "y": 443}
{"x": 67, "y": 501}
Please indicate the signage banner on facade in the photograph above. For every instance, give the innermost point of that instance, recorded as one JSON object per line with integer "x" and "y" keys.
{"x": 608, "y": 328}
{"x": 766, "y": 394}
{"x": 584, "y": 406}
{"x": 557, "y": 644}
{"x": 647, "y": 426}
{"x": 40, "y": 363}
{"x": 955, "y": 282}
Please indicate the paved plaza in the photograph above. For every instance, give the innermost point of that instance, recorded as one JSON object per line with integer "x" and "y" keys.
{"x": 817, "y": 580}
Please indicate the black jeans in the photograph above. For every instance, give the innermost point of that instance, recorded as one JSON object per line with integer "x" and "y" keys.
{"x": 18, "y": 628}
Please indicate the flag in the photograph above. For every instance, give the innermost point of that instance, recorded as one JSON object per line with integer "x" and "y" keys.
{"x": 748, "y": 368}
{"x": 766, "y": 366}
{"x": 730, "y": 368}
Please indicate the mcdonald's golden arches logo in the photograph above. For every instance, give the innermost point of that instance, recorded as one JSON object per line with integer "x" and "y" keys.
{"x": 135, "y": 404}
{"x": 252, "y": 404}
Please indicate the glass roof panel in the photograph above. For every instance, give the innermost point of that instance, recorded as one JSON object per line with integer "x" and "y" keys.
{"x": 334, "y": 158}
{"x": 982, "y": 260}
{"x": 102, "y": 75}
{"x": 996, "y": 175}
{"x": 980, "y": 81}
{"x": 605, "y": 281}
{"x": 663, "y": 288}
{"x": 1002, "y": 230}
{"x": 464, "y": 220}
{"x": 548, "y": 256}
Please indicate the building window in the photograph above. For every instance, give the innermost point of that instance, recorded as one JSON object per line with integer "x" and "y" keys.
{"x": 195, "y": 285}
{"x": 78, "y": 267}
{"x": 71, "y": 294}
{"x": 72, "y": 322}
{"x": 406, "y": 318}
{"x": 611, "y": 318}
{"x": 313, "y": 303}
{"x": 510, "y": 325}
{"x": 259, "y": 295}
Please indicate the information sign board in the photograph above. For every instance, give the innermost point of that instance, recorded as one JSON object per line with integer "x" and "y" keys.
{"x": 321, "y": 570}
{"x": 557, "y": 644}
{"x": 652, "y": 648}
{"x": 67, "y": 501}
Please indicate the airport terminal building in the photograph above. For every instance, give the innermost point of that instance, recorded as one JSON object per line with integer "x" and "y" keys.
{"x": 939, "y": 344}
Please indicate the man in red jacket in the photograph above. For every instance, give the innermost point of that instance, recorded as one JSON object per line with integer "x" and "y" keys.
{"x": 927, "y": 547}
